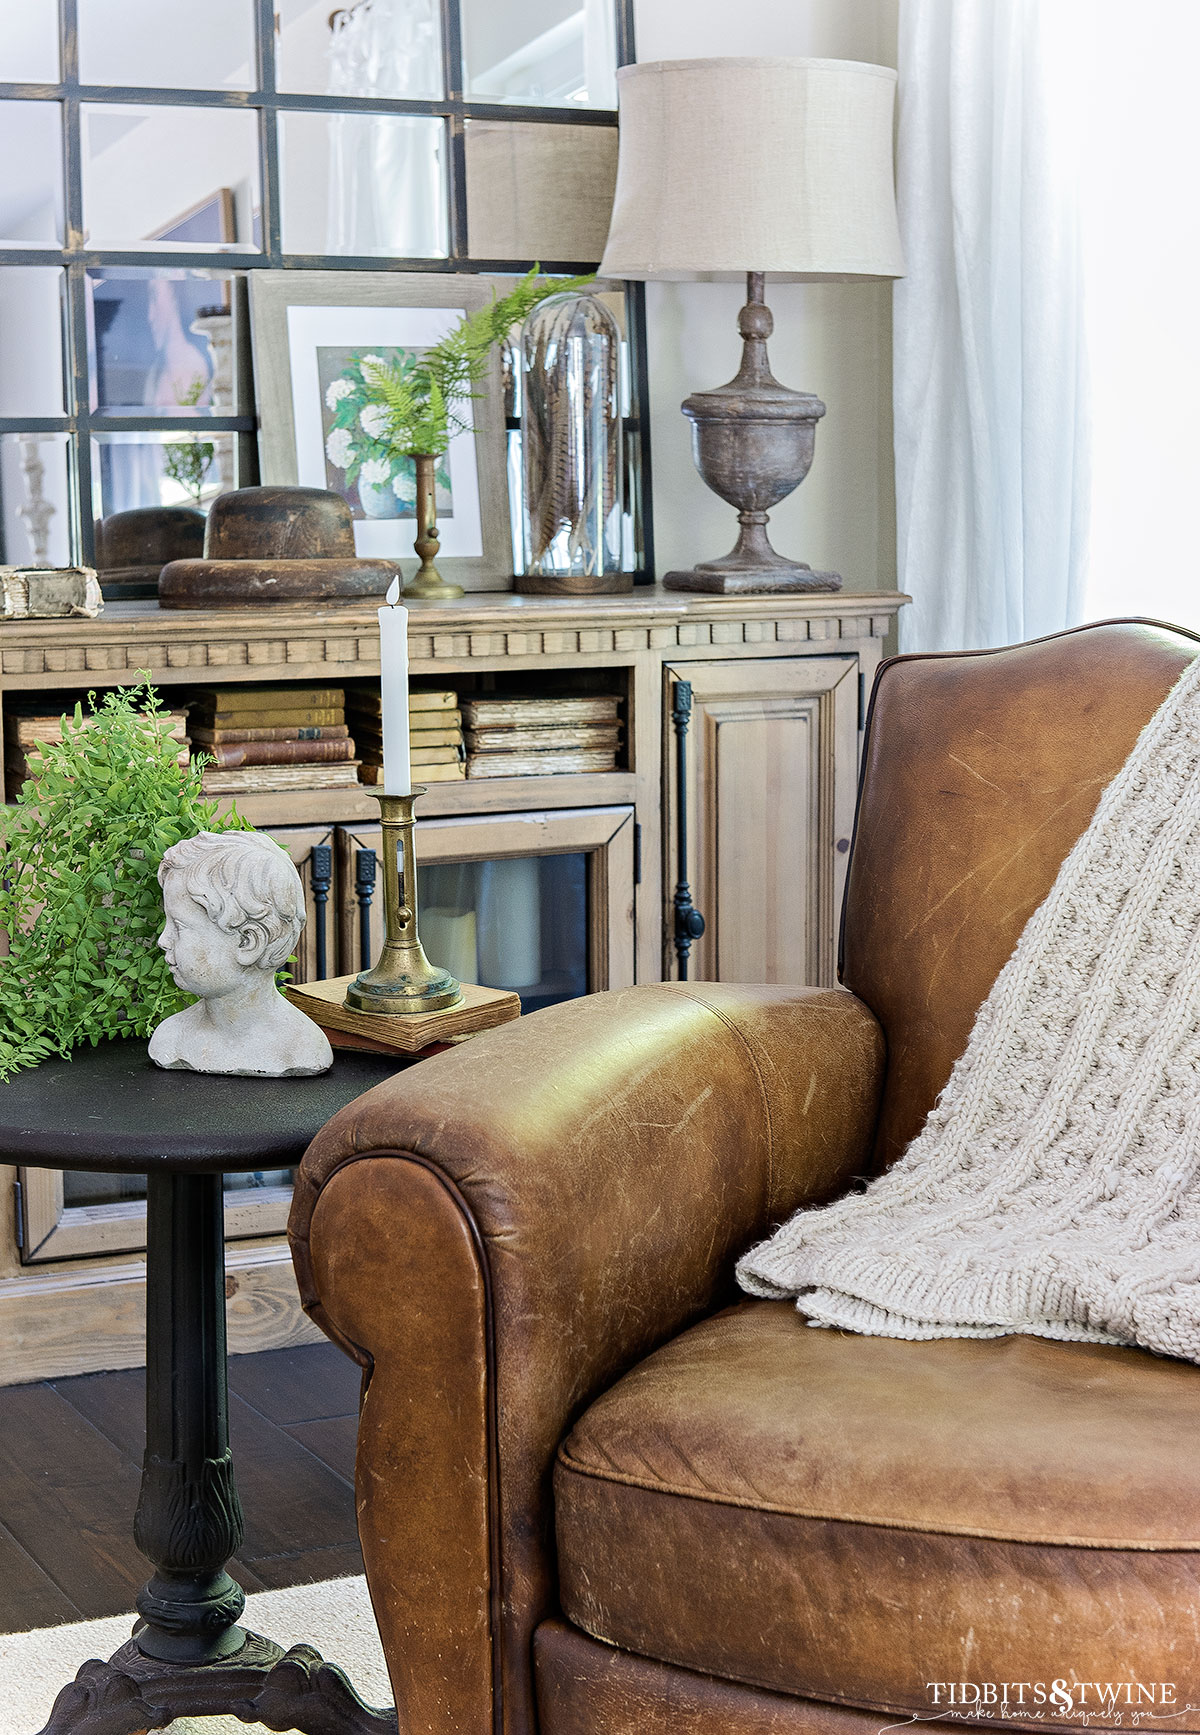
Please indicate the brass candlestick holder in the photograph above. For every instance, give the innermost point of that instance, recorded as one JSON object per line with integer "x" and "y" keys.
{"x": 402, "y": 979}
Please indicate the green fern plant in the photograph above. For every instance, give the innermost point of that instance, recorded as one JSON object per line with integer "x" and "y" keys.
{"x": 80, "y": 904}
{"x": 426, "y": 400}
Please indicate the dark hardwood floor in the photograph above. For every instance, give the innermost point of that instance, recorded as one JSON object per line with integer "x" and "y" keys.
{"x": 70, "y": 1460}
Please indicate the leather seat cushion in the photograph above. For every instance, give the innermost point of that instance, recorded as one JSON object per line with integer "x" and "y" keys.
{"x": 852, "y": 1518}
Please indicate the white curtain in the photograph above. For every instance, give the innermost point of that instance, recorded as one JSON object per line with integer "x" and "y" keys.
{"x": 990, "y": 380}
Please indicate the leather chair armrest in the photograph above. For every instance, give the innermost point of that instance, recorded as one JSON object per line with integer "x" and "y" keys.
{"x": 502, "y": 1230}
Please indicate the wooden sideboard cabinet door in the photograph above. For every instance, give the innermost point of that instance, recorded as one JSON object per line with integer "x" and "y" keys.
{"x": 771, "y": 770}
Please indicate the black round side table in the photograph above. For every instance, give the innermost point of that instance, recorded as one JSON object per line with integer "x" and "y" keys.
{"x": 110, "y": 1108}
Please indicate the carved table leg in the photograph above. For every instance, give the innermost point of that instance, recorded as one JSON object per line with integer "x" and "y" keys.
{"x": 188, "y": 1656}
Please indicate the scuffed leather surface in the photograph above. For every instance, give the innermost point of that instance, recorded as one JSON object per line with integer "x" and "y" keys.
{"x": 849, "y": 1518}
{"x": 980, "y": 772}
{"x": 612, "y": 1157}
{"x": 588, "y": 1688}
{"x": 392, "y": 1241}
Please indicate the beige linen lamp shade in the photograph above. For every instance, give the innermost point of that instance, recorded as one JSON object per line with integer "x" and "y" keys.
{"x": 735, "y": 165}
{"x": 754, "y": 166}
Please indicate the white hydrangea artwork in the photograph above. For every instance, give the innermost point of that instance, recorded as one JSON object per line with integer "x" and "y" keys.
{"x": 356, "y": 418}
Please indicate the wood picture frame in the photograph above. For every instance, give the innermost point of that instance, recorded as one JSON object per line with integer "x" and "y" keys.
{"x": 304, "y": 324}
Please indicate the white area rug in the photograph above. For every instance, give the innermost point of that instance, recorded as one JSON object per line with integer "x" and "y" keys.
{"x": 335, "y": 1617}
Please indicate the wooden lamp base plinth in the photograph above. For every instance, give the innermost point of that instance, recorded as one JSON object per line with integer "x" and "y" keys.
{"x": 403, "y": 1033}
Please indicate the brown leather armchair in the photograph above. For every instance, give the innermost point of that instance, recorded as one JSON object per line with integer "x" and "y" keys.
{"x": 601, "y": 1494}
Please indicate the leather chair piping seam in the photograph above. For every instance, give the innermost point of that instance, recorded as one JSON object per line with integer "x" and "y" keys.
{"x": 495, "y": 1563}
{"x": 910, "y": 1713}
{"x": 741, "y": 1036}
{"x": 576, "y": 1466}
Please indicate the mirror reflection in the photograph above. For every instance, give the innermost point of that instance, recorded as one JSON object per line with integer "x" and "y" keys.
{"x": 31, "y": 362}
{"x": 29, "y": 43}
{"x": 554, "y": 52}
{"x": 31, "y": 201}
{"x": 161, "y": 341}
{"x": 167, "y": 43}
{"x": 363, "y": 184}
{"x": 389, "y": 48}
{"x": 170, "y": 178}
{"x": 35, "y": 512}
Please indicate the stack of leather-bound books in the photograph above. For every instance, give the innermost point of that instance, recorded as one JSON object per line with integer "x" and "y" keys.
{"x": 259, "y": 739}
{"x": 435, "y": 735}
{"x": 30, "y": 726}
{"x": 536, "y": 737}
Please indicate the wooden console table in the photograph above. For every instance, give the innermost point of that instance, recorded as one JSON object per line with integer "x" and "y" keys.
{"x": 742, "y": 724}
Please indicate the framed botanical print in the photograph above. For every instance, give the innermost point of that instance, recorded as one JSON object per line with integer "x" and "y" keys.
{"x": 320, "y": 426}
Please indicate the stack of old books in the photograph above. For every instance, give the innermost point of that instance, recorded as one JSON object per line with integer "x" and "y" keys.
{"x": 30, "y": 726}
{"x": 435, "y": 735}
{"x": 535, "y": 737}
{"x": 256, "y": 740}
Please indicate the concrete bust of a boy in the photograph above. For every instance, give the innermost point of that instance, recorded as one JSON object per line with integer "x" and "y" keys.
{"x": 234, "y": 910}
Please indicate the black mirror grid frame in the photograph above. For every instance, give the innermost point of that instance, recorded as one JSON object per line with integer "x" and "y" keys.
{"x": 81, "y": 421}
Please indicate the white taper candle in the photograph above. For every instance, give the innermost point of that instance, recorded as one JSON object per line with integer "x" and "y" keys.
{"x": 393, "y": 689}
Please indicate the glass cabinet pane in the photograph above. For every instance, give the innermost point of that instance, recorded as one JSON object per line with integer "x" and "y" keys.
{"x": 554, "y": 52}
{"x": 390, "y": 48}
{"x": 29, "y": 43}
{"x": 167, "y": 43}
{"x": 166, "y": 178}
{"x": 31, "y": 201}
{"x": 363, "y": 183}
{"x": 519, "y": 923}
{"x": 31, "y": 340}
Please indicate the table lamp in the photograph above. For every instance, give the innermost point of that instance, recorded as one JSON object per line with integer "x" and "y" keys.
{"x": 747, "y": 166}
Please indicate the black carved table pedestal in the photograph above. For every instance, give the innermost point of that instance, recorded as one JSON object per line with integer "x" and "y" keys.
{"x": 109, "y": 1109}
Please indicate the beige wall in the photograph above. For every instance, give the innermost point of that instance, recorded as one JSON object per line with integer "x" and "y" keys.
{"x": 833, "y": 339}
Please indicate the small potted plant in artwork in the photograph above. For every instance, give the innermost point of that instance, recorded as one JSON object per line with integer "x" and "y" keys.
{"x": 394, "y": 417}
{"x": 80, "y": 905}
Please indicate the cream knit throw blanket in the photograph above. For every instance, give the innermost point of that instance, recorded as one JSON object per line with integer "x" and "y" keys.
{"x": 1055, "y": 1187}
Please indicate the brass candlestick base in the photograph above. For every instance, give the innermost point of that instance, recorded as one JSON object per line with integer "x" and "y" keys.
{"x": 428, "y": 582}
{"x": 403, "y": 979}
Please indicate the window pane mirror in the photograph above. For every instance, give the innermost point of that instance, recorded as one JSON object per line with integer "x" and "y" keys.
{"x": 363, "y": 184}
{"x": 169, "y": 178}
{"x": 389, "y": 48}
{"x": 35, "y": 500}
{"x": 31, "y": 201}
{"x": 29, "y": 43}
{"x": 162, "y": 341}
{"x": 167, "y": 43}
{"x": 554, "y": 52}
{"x": 31, "y": 341}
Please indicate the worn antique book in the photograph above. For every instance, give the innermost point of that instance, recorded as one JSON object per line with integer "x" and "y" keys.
{"x": 230, "y": 753}
{"x": 434, "y": 755}
{"x": 262, "y": 779}
{"x": 294, "y": 716}
{"x": 542, "y": 740}
{"x": 368, "y": 700}
{"x": 407, "y": 1032}
{"x": 528, "y": 712}
{"x": 540, "y": 764}
{"x": 30, "y": 729}
{"x": 47, "y": 592}
{"x": 271, "y": 732}
{"x": 278, "y": 698}
{"x": 369, "y": 736}
{"x": 423, "y": 773}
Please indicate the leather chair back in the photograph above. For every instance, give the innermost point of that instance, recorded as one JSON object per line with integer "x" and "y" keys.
{"x": 980, "y": 771}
